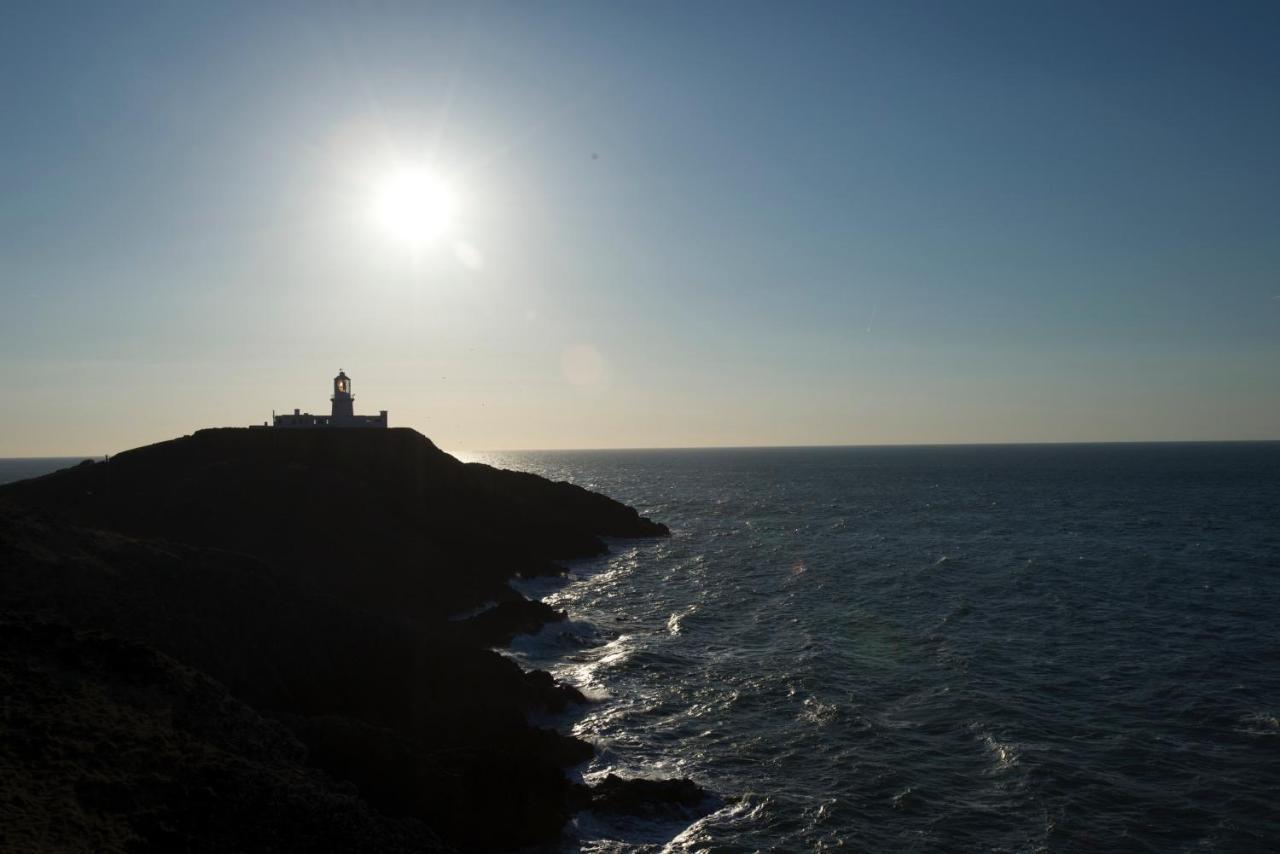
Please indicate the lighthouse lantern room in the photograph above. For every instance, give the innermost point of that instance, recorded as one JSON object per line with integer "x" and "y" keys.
{"x": 342, "y": 399}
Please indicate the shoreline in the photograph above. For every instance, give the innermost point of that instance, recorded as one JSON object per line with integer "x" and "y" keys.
{"x": 662, "y": 807}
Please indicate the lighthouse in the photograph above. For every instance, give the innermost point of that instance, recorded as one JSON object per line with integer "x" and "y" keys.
{"x": 342, "y": 399}
{"x": 342, "y": 414}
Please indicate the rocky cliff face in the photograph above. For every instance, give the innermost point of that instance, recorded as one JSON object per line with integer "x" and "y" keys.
{"x": 310, "y": 574}
{"x": 380, "y": 517}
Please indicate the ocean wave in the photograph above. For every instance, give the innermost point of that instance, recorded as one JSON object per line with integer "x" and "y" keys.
{"x": 554, "y": 640}
{"x": 745, "y": 810}
{"x": 676, "y": 620}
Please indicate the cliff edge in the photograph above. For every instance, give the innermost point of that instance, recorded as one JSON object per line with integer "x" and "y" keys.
{"x": 309, "y": 576}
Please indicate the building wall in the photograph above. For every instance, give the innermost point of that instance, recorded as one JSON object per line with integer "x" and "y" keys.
{"x": 305, "y": 420}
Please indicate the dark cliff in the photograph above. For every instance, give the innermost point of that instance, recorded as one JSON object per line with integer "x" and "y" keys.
{"x": 381, "y": 516}
{"x": 310, "y": 573}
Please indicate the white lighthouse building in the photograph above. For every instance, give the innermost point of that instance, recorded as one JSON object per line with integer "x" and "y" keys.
{"x": 342, "y": 415}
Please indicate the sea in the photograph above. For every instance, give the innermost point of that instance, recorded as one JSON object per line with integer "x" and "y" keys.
{"x": 21, "y": 468}
{"x": 929, "y": 649}
{"x": 963, "y": 648}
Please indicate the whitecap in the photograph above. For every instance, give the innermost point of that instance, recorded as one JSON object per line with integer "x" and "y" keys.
{"x": 817, "y": 712}
{"x": 1004, "y": 753}
{"x": 697, "y": 835}
{"x": 553, "y": 639}
{"x": 676, "y": 620}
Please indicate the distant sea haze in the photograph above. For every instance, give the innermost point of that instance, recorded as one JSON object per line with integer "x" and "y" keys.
{"x": 21, "y": 468}
{"x": 1056, "y": 647}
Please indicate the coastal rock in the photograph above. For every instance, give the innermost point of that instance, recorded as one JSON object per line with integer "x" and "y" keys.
{"x": 639, "y": 796}
{"x": 546, "y": 693}
{"x": 400, "y": 710}
{"x": 311, "y": 573}
{"x": 108, "y": 746}
{"x": 498, "y": 625}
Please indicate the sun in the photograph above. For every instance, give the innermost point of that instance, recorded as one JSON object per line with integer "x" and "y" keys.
{"x": 414, "y": 206}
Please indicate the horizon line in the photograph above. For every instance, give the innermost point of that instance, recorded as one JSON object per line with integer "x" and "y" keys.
{"x": 822, "y": 446}
{"x": 780, "y": 447}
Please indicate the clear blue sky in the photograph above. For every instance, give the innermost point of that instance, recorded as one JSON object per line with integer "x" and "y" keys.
{"x": 683, "y": 224}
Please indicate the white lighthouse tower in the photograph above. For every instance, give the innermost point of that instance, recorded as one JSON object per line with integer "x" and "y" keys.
{"x": 342, "y": 415}
{"x": 343, "y": 402}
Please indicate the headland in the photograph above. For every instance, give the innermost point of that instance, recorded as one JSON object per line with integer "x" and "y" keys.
{"x": 242, "y": 639}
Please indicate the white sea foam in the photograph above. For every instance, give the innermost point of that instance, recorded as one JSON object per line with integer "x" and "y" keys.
{"x": 677, "y": 618}
{"x": 1004, "y": 754}
{"x": 697, "y": 836}
{"x": 555, "y": 639}
{"x": 815, "y": 711}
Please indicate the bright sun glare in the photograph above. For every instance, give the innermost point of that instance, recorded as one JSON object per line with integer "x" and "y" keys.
{"x": 414, "y": 206}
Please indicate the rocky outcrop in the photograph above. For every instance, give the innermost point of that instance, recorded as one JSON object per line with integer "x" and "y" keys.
{"x": 108, "y": 746}
{"x": 307, "y": 576}
{"x": 637, "y": 796}
{"x": 496, "y": 626}
{"x": 402, "y": 709}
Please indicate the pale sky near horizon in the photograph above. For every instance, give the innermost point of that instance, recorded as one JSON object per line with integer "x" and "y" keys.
{"x": 674, "y": 224}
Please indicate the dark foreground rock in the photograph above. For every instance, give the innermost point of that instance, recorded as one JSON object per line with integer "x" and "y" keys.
{"x": 106, "y": 745}
{"x": 499, "y": 624}
{"x": 637, "y": 796}
{"x": 306, "y": 575}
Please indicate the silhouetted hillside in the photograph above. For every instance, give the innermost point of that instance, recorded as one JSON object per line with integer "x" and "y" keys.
{"x": 380, "y": 516}
{"x": 308, "y": 572}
